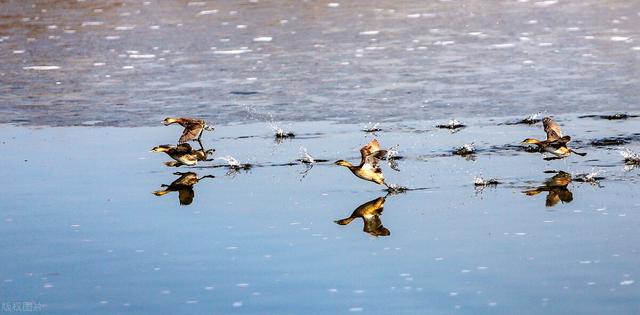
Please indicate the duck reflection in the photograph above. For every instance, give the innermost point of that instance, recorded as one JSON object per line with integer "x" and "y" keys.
{"x": 370, "y": 213}
{"x": 184, "y": 186}
{"x": 556, "y": 187}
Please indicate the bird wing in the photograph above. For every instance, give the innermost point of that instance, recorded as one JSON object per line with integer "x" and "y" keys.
{"x": 371, "y": 153}
{"x": 186, "y": 196}
{"x": 183, "y": 148}
{"x": 369, "y": 148}
{"x": 552, "y": 129}
{"x": 191, "y": 131}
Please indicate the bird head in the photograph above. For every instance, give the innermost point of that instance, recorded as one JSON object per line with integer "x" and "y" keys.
{"x": 169, "y": 120}
{"x": 161, "y": 148}
{"x": 343, "y": 163}
{"x": 530, "y": 141}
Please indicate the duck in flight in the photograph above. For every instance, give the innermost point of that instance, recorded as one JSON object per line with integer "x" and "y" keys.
{"x": 555, "y": 143}
{"x": 369, "y": 168}
{"x": 192, "y": 128}
{"x": 183, "y": 154}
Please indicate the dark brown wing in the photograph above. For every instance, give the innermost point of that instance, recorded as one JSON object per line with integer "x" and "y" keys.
{"x": 552, "y": 129}
{"x": 186, "y": 196}
{"x": 183, "y": 148}
{"x": 369, "y": 148}
{"x": 371, "y": 153}
{"x": 192, "y": 131}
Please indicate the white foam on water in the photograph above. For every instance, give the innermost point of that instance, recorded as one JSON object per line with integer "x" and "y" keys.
{"x": 142, "y": 56}
{"x": 91, "y": 122}
{"x": 414, "y": 16}
{"x": 333, "y": 4}
{"x": 231, "y": 52}
{"x": 196, "y": 4}
{"x": 241, "y": 26}
{"x": 207, "y": 12}
{"x": 92, "y": 23}
{"x": 263, "y": 39}
{"x": 369, "y": 33}
{"x": 545, "y": 3}
{"x": 237, "y": 304}
{"x": 112, "y": 37}
{"x": 18, "y": 52}
{"x": 99, "y": 64}
{"x": 41, "y": 68}
{"x": 128, "y": 67}
{"x": 124, "y": 28}
{"x": 505, "y": 45}
{"x": 619, "y": 38}
{"x": 627, "y": 282}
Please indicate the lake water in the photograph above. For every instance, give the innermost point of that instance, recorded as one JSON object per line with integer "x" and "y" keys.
{"x": 91, "y": 222}
{"x": 82, "y": 231}
{"x": 132, "y": 63}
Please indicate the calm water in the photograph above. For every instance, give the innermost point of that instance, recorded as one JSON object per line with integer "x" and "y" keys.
{"x": 131, "y": 63}
{"x": 91, "y": 222}
{"x": 82, "y": 231}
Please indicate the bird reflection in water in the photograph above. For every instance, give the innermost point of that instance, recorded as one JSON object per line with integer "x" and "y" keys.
{"x": 370, "y": 213}
{"x": 556, "y": 187}
{"x": 184, "y": 186}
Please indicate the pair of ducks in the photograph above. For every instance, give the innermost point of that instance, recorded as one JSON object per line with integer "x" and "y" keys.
{"x": 183, "y": 153}
{"x": 371, "y": 154}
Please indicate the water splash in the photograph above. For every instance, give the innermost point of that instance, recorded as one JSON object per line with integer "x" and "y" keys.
{"x": 630, "y": 157}
{"x": 466, "y": 149}
{"x": 279, "y": 132}
{"x": 392, "y": 157}
{"x": 371, "y": 127}
{"x": 209, "y": 126}
{"x": 452, "y": 124}
{"x": 591, "y": 177}
{"x": 479, "y": 181}
{"x": 231, "y": 161}
{"x": 396, "y": 189}
{"x": 305, "y": 157}
{"x": 532, "y": 119}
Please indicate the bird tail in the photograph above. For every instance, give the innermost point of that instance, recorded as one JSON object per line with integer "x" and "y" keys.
{"x": 160, "y": 192}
